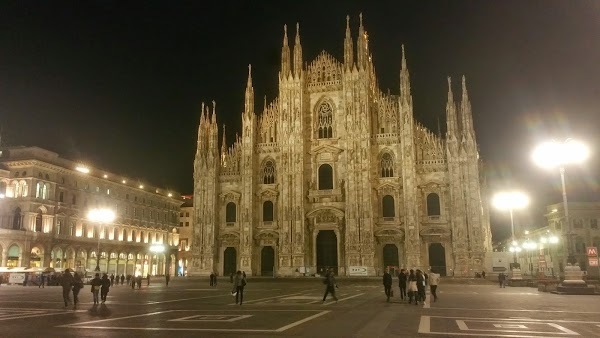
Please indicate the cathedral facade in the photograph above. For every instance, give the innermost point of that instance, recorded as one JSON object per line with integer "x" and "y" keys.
{"x": 334, "y": 173}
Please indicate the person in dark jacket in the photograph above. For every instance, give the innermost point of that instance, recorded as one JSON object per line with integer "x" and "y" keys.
{"x": 77, "y": 286}
{"x": 402, "y": 283}
{"x": 96, "y": 284}
{"x": 122, "y": 278}
{"x": 105, "y": 288}
{"x": 387, "y": 283}
{"x": 330, "y": 285}
{"x": 239, "y": 282}
{"x": 412, "y": 287}
{"x": 167, "y": 278}
{"x": 67, "y": 284}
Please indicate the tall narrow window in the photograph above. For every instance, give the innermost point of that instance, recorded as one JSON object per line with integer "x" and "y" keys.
{"x": 269, "y": 173}
{"x": 325, "y": 120}
{"x": 230, "y": 213}
{"x": 433, "y": 205}
{"x": 325, "y": 177}
{"x": 17, "y": 220}
{"x": 388, "y": 206}
{"x": 61, "y": 197}
{"x": 268, "y": 211}
{"x": 387, "y": 165}
{"x": 39, "y": 222}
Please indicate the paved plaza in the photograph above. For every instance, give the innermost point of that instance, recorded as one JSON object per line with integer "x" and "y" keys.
{"x": 292, "y": 307}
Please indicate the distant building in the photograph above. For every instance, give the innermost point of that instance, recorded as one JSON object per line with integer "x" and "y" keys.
{"x": 186, "y": 226}
{"x": 338, "y": 173}
{"x": 44, "y": 201}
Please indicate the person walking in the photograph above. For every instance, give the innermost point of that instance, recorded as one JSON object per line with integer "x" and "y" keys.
{"x": 122, "y": 278}
{"x": 43, "y": 281}
{"x": 402, "y": 283}
{"x": 387, "y": 283}
{"x": 77, "y": 286}
{"x": 167, "y": 278}
{"x": 239, "y": 282}
{"x": 105, "y": 288}
{"x": 330, "y": 285}
{"x": 67, "y": 283}
{"x": 483, "y": 274}
{"x": 212, "y": 279}
{"x": 502, "y": 279}
{"x": 112, "y": 279}
{"x": 128, "y": 279}
{"x": 138, "y": 279}
{"x": 412, "y": 287}
{"x": 434, "y": 280}
{"x": 96, "y": 284}
{"x": 420, "y": 286}
{"x": 148, "y": 280}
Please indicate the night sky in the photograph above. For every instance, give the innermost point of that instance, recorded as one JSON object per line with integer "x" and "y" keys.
{"x": 120, "y": 84}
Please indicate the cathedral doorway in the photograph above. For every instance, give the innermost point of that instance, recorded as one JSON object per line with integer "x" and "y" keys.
{"x": 327, "y": 251}
{"x": 390, "y": 255}
{"x": 267, "y": 261}
{"x": 229, "y": 261}
{"x": 437, "y": 258}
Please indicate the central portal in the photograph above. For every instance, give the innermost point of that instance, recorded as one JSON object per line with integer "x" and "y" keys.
{"x": 267, "y": 261}
{"x": 327, "y": 256}
{"x": 229, "y": 261}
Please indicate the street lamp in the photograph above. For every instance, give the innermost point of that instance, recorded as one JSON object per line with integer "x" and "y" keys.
{"x": 553, "y": 154}
{"x": 100, "y": 216}
{"x": 510, "y": 201}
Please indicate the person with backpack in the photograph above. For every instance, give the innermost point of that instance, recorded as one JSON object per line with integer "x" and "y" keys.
{"x": 239, "y": 282}
{"x": 330, "y": 285}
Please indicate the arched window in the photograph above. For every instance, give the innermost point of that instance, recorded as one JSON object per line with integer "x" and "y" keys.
{"x": 325, "y": 177}
{"x": 17, "y": 220}
{"x": 267, "y": 211}
{"x": 388, "y": 206}
{"x": 325, "y": 120}
{"x": 269, "y": 173}
{"x": 116, "y": 234}
{"x": 433, "y": 205}
{"x": 45, "y": 191}
{"x": 38, "y": 189}
{"x": 230, "y": 213}
{"x": 387, "y": 165}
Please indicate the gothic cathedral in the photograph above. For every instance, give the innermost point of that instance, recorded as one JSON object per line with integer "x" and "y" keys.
{"x": 336, "y": 174}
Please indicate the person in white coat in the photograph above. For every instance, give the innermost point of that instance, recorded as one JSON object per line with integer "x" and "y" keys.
{"x": 434, "y": 280}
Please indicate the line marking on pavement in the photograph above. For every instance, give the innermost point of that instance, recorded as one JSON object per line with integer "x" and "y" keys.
{"x": 268, "y": 298}
{"x": 513, "y": 320}
{"x": 514, "y": 310}
{"x": 425, "y": 324}
{"x": 378, "y": 324}
{"x": 342, "y": 299}
{"x": 281, "y": 329}
{"x": 183, "y": 299}
{"x": 426, "y": 305}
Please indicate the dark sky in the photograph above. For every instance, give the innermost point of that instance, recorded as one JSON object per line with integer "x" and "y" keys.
{"x": 120, "y": 84}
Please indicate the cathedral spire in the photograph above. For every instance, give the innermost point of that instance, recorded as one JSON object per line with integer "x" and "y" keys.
{"x": 348, "y": 46}
{"x": 466, "y": 113}
{"x": 451, "y": 122}
{"x": 213, "y": 118}
{"x": 297, "y": 53}
{"x": 285, "y": 54}
{"x": 223, "y": 142}
{"x": 405, "y": 96}
{"x": 249, "y": 99}
{"x": 360, "y": 44}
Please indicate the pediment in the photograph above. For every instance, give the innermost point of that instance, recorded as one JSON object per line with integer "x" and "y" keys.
{"x": 325, "y": 148}
{"x": 268, "y": 193}
{"x": 387, "y": 186}
{"x": 230, "y": 196}
{"x": 435, "y": 231}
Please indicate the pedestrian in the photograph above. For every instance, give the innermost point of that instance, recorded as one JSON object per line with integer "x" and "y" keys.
{"x": 215, "y": 279}
{"x": 138, "y": 279}
{"x": 402, "y": 283}
{"x": 412, "y": 287}
{"x": 67, "y": 283}
{"x": 483, "y": 274}
{"x": 77, "y": 286}
{"x": 434, "y": 280}
{"x": 212, "y": 279}
{"x": 502, "y": 279}
{"x": 239, "y": 283}
{"x": 105, "y": 288}
{"x": 122, "y": 279}
{"x": 96, "y": 284}
{"x": 43, "y": 281}
{"x": 387, "y": 283}
{"x": 330, "y": 285}
{"x": 420, "y": 285}
{"x": 148, "y": 280}
{"x": 128, "y": 279}
{"x": 167, "y": 278}
{"x": 112, "y": 279}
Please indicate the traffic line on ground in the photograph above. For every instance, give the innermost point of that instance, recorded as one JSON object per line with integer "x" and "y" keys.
{"x": 343, "y": 299}
{"x": 268, "y": 298}
{"x": 183, "y": 299}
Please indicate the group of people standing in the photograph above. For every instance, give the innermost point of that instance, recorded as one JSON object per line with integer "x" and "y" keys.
{"x": 412, "y": 284}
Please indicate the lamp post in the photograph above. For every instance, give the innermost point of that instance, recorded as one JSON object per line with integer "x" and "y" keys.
{"x": 510, "y": 201}
{"x": 100, "y": 216}
{"x": 552, "y": 155}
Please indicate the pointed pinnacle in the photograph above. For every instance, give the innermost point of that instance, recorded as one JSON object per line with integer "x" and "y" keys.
{"x": 249, "y": 75}
{"x": 297, "y": 33}
{"x": 347, "y": 25}
{"x": 450, "y": 96}
{"x": 403, "y": 58}
{"x": 214, "y": 112}
{"x": 285, "y": 37}
{"x": 265, "y": 103}
{"x": 360, "y": 20}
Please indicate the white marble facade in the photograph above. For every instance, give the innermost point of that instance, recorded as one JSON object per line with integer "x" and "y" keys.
{"x": 336, "y": 173}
